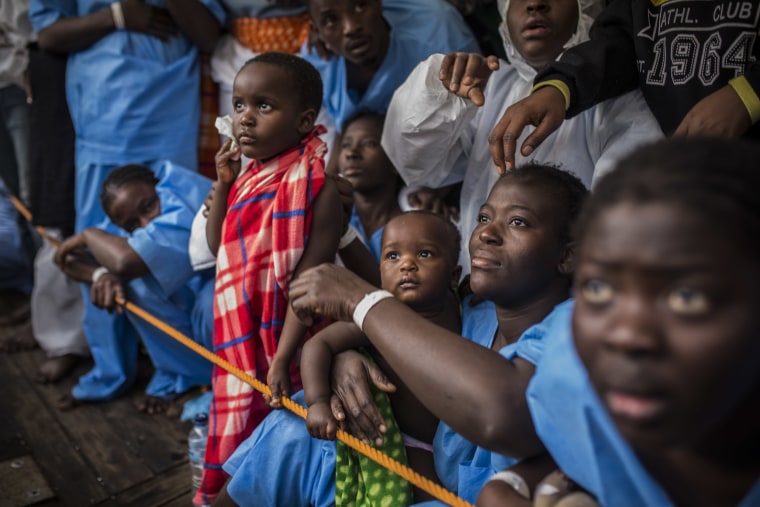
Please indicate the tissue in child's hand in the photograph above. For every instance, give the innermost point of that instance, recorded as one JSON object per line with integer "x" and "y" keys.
{"x": 223, "y": 124}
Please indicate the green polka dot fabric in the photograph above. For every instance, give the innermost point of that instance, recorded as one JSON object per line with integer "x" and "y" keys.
{"x": 360, "y": 482}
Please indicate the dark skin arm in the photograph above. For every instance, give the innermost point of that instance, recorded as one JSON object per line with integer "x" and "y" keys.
{"x": 110, "y": 251}
{"x": 316, "y": 362}
{"x": 321, "y": 247}
{"x": 402, "y": 337}
{"x": 227, "y": 170}
{"x": 196, "y": 22}
{"x": 76, "y": 33}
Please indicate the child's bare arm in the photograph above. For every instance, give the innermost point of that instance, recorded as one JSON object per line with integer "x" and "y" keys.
{"x": 316, "y": 362}
{"x": 227, "y": 169}
{"x": 321, "y": 247}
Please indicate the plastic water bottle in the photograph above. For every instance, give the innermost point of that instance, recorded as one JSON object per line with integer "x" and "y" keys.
{"x": 196, "y": 445}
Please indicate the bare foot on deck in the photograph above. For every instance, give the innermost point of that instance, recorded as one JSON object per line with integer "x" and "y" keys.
{"x": 171, "y": 407}
{"x": 68, "y": 402}
{"x": 17, "y": 338}
{"x": 55, "y": 368}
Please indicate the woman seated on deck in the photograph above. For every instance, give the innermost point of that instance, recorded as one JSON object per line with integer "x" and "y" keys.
{"x": 149, "y": 266}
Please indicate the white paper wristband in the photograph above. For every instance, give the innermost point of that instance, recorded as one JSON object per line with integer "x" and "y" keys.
{"x": 514, "y": 480}
{"x": 118, "y": 16}
{"x": 350, "y": 235}
{"x": 366, "y": 304}
{"x": 98, "y": 273}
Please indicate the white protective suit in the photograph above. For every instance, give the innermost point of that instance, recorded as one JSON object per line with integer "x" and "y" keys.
{"x": 435, "y": 138}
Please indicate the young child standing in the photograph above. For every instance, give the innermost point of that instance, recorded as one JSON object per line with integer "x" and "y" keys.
{"x": 418, "y": 267}
{"x": 260, "y": 227}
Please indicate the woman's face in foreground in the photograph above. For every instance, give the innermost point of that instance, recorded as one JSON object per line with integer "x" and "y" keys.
{"x": 666, "y": 322}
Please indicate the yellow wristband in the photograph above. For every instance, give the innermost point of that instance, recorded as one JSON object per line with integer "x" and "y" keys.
{"x": 559, "y": 85}
{"x": 748, "y": 97}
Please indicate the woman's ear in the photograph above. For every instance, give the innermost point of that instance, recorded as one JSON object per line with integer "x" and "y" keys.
{"x": 566, "y": 264}
{"x": 306, "y": 121}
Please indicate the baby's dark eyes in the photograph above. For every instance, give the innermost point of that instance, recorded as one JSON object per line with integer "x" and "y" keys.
{"x": 265, "y": 107}
{"x": 483, "y": 218}
{"x": 518, "y": 222}
{"x": 392, "y": 256}
{"x": 425, "y": 253}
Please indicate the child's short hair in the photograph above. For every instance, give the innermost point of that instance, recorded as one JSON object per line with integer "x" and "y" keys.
{"x": 121, "y": 176}
{"x": 305, "y": 77}
{"x": 454, "y": 236}
{"x": 568, "y": 190}
{"x": 716, "y": 178}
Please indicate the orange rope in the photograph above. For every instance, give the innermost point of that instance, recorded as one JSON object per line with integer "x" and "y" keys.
{"x": 383, "y": 459}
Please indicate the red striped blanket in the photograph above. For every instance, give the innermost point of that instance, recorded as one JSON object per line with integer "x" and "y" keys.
{"x": 268, "y": 219}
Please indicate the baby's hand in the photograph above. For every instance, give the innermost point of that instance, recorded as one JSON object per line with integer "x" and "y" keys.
{"x": 278, "y": 379}
{"x": 320, "y": 422}
{"x": 466, "y": 74}
{"x": 227, "y": 162}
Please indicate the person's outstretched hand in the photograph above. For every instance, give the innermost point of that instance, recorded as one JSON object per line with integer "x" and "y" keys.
{"x": 227, "y": 161}
{"x": 720, "y": 114}
{"x": 327, "y": 290}
{"x": 545, "y": 109}
{"x": 148, "y": 19}
{"x": 352, "y": 403}
{"x": 466, "y": 74}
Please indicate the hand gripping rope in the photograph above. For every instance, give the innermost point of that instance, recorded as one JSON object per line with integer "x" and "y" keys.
{"x": 405, "y": 472}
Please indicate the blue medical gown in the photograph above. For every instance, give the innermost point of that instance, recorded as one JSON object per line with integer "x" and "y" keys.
{"x": 419, "y": 28}
{"x": 579, "y": 434}
{"x": 462, "y": 466}
{"x": 172, "y": 292}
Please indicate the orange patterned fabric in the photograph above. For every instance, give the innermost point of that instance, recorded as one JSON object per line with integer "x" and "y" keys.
{"x": 285, "y": 34}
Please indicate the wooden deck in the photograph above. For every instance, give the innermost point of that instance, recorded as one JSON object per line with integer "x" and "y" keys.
{"x": 104, "y": 454}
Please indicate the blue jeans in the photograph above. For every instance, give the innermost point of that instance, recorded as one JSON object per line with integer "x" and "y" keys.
{"x": 15, "y": 261}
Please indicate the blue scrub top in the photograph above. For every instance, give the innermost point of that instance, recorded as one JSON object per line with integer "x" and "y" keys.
{"x": 131, "y": 95}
